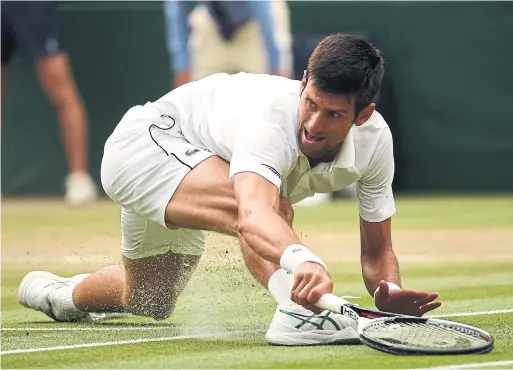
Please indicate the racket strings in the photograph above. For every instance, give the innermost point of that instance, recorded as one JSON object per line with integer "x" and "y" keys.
{"x": 422, "y": 335}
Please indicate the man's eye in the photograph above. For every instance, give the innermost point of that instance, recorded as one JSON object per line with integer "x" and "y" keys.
{"x": 310, "y": 103}
{"x": 335, "y": 115}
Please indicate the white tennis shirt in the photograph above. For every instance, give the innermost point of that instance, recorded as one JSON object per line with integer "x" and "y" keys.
{"x": 251, "y": 121}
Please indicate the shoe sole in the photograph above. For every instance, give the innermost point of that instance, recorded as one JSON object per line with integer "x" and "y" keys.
{"x": 312, "y": 338}
{"x": 29, "y": 281}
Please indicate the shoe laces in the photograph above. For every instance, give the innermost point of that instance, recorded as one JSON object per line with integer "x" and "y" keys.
{"x": 59, "y": 283}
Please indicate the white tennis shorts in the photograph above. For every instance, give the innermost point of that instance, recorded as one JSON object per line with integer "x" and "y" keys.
{"x": 144, "y": 161}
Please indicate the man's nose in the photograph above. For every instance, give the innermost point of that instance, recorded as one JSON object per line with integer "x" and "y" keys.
{"x": 314, "y": 126}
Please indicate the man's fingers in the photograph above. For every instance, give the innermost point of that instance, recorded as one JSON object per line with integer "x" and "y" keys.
{"x": 294, "y": 293}
{"x": 304, "y": 294}
{"x": 413, "y": 295}
{"x": 296, "y": 282}
{"x": 312, "y": 296}
{"x": 383, "y": 287}
{"x": 429, "y": 307}
{"x": 431, "y": 297}
{"x": 312, "y": 308}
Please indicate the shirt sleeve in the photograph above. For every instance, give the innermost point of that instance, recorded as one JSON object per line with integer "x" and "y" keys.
{"x": 374, "y": 190}
{"x": 177, "y": 33}
{"x": 262, "y": 147}
{"x": 262, "y": 11}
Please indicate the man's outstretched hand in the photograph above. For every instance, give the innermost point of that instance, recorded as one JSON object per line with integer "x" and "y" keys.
{"x": 405, "y": 301}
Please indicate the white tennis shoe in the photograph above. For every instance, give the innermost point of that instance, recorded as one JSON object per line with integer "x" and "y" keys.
{"x": 294, "y": 325}
{"x": 46, "y": 292}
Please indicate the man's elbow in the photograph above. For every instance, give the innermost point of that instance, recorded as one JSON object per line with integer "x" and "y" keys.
{"x": 250, "y": 219}
{"x": 244, "y": 221}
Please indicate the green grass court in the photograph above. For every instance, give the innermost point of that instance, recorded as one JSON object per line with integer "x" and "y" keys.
{"x": 461, "y": 247}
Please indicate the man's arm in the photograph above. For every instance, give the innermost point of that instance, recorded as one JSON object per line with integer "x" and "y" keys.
{"x": 260, "y": 225}
{"x": 380, "y": 271}
{"x": 270, "y": 236}
{"x": 377, "y": 256}
{"x": 379, "y": 263}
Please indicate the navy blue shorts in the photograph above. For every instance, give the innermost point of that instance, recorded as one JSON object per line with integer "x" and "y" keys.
{"x": 31, "y": 26}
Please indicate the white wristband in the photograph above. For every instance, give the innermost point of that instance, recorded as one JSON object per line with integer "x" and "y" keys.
{"x": 391, "y": 286}
{"x": 296, "y": 254}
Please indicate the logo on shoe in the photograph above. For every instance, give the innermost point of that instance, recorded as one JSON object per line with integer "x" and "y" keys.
{"x": 190, "y": 152}
{"x": 315, "y": 320}
{"x": 296, "y": 250}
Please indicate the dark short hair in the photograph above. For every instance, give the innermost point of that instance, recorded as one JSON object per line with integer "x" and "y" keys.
{"x": 349, "y": 65}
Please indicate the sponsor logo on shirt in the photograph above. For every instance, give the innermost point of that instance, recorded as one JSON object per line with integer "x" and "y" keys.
{"x": 273, "y": 170}
{"x": 190, "y": 152}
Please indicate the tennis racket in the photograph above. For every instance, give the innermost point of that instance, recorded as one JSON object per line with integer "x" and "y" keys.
{"x": 409, "y": 335}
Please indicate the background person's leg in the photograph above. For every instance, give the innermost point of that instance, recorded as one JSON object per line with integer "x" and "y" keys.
{"x": 209, "y": 51}
{"x": 58, "y": 84}
{"x": 36, "y": 28}
{"x": 246, "y": 50}
{"x": 8, "y": 49}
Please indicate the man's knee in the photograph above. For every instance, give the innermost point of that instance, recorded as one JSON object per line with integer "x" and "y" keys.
{"x": 148, "y": 304}
{"x": 153, "y": 284}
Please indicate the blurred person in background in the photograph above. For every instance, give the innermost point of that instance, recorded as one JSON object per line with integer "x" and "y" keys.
{"x": 208, "y": 37}
{"x": 33, "y": 28}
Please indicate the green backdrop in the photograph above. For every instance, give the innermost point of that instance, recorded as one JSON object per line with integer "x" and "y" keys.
{"x": 451, "y": 64}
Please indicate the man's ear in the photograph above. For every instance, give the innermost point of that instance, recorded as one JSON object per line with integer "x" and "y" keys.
{"x": 365, "y": 114}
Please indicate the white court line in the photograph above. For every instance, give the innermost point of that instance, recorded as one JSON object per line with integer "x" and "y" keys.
{"x": 121, "y": 342}
{"x": 143, "y": 328}
{"x": 479, "y": 313}
{"x": 473, "y": 365}
{"x": 164, "y": 339}
{"x": 120, "y": 328}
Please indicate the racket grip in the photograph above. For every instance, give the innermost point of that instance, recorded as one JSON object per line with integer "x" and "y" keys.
{"x": 331, "y": 303}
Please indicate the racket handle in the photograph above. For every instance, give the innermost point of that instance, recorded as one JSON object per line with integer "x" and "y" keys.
{"x": 331, "y": 303}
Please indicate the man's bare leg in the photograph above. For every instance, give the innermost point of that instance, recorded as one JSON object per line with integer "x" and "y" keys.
{"x": 214, "y": 208}
{"x": 140, "y": 286}
{"x": 150, "y": 286}
{"x": 102, "y": 291}
{"x": 144, "y": 287}
{"x": 196, "y": 204}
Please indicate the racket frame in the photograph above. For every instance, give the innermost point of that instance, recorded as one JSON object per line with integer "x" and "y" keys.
{"x": 363, "y": 317}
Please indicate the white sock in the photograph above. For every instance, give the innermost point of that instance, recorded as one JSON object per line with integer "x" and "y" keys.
{"x": 64, "y": 308}
{"x": 280, "y": 285}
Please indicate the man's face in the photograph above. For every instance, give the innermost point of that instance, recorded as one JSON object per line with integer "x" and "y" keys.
{"x": 325, "y": 120}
